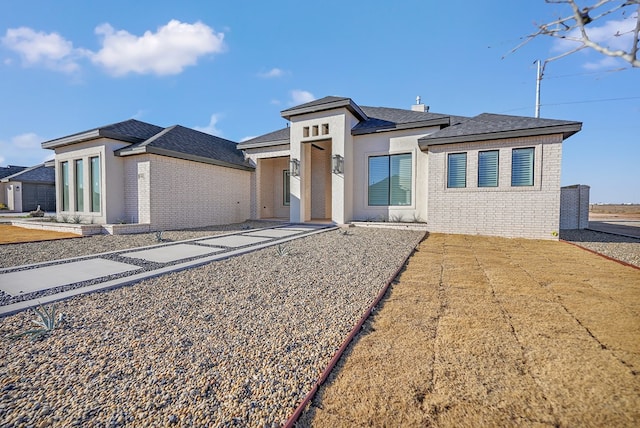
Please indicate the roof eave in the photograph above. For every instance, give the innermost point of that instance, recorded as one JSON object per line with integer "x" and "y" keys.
{"x": 444, "y": 121}
{"x": 179, "y": 155}
{"x": 346, "y": 103}
{"x": 88, "y": 136}
{"x": 244, "y": 146}
{"x": 566, "y": 131}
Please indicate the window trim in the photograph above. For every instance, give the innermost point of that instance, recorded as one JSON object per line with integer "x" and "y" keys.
{"x": 497, "y": 170}
{"x": 65, "y": 191}
{"x": 532, "y": 180}
{"x": 286, "y": 188}
{"x": 449, "y": 157}
{"x": 92, "y": 198}
{"x": 389, "y": 157}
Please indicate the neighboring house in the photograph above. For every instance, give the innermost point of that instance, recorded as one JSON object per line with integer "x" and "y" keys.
{"x": 338, "y": 161}
{"x": 136, "y": 172}
{"x": 24, "y": 189}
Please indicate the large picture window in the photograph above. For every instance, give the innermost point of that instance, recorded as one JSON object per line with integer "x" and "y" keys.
{"x": 286, "y": 189}
{"x": 522, "y": 161}
{"x": 488, "y": 168}
{"x": 95, "y": 184}
{"x": 457, "y": 170}
{"x": 390, "y": 180}
{"x": 65, "y": 185}
{"x": 79, "y": 181}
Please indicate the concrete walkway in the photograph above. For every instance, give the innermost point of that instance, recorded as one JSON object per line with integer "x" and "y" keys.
{"x": 629, "y": 228}
{"x": 42, "y": 283}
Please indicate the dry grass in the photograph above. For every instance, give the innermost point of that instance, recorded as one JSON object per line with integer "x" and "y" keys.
{"x": 494, "y": 332}
{"x": 14, "y": 234}
{"x": 615, "y": 209}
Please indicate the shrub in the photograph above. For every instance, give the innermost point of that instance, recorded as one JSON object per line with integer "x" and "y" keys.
{"x": 47, "y": 321}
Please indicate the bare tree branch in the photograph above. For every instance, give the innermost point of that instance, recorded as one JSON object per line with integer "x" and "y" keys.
{"x": 573, "y": 28}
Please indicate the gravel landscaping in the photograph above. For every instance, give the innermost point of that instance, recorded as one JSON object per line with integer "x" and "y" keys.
{"x": 37, "y": 252}
{"x": 236, "y": 342}
{"x": 615, "y": 246}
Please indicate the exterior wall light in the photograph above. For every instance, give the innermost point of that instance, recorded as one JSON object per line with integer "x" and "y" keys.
{"x": 295, "y": 167}
{"x": 337, "y": 162}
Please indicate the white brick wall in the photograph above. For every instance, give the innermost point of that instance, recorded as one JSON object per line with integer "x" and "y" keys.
{"x": 174, "y": 193}
{"x": 527, "y": 212}
{"x": 574, "y": 207}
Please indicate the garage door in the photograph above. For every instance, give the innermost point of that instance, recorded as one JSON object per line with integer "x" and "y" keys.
{"x": 38, "y": 194}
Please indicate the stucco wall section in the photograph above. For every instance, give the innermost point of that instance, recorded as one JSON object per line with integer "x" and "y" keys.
{"x": 390, "y": 143}
{"x": 187, "y": 194}
{"x": 257, "y": 178}
{"x": 574, "y": 207}
{"x": 527, "y": 212}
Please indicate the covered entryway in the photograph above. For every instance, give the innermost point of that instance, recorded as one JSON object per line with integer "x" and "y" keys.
{"x": 273, "y": 188}
{"x": 317, "y": 180}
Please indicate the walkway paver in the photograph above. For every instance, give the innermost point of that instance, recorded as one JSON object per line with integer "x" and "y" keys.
{"x": 44, "y": 278}
{"x": 172, "y": 253}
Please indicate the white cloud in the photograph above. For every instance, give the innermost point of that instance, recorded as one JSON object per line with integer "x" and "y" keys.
{"x": 167, "y": 51}
{"x": 275, "y": 102}
{"x": 300, "y": 97}
{"x": 248, "y": 138}
{"x": 38, "y": 48}
{"x": 273, "y": 73}
{"x": 211, "y": 127}
{"x": 613, "y": 34}
{"x": 23, "y": 150}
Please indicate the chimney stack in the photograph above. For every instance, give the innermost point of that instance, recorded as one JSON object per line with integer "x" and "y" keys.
{"x": 418, "y": 106}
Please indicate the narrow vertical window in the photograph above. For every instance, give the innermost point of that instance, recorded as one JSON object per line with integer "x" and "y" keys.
{"x": 390, "y": 180}
{"x": 314, "y": 130}
{"x": 79, "y": 181}
{"x": 325, "y": 128}
{"x": 488, "y": 168}
{"x": 522, "y": 161}
{"x": 286, "y": 189}
{"x": 95, "y": 184}
{"x": 65, "y": 186}
{"x": 305, "y": 131}
{"x": 457, "y": 170}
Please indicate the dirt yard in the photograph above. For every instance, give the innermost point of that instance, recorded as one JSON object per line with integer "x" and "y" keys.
{"x": 494, "y": 332}
{"x": 14, "y": 234}
{"x": 631, "y": 212}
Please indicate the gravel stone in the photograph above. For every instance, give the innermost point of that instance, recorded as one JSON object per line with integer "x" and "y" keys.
{"x": 239, "y": 341}
{"x": 615, "y": 246}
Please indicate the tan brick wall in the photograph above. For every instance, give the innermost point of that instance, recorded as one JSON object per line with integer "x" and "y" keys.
{"x": 527, "y": 212}
{"x": 175, "y": 193}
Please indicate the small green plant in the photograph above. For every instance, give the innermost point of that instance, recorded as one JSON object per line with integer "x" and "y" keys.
{"x": 64, "y": 219}
{"x": 344, "y": 232}
{"x": 395, "y": 218}
{"x": 47, "y": 321}
{"x": 3, "y": 207}
{"x": 282, "y": 250}
{"x": 159, "y": 237}
{"x": 76, "y": 219}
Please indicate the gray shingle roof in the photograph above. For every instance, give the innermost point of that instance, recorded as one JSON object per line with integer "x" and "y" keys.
{"x": 394, "y": 118}
{"x": 8, "y": 170}
{"x": 322, "y": 104}
{"x": 34, "y": 174}
{"x": 186, "y": 143}
{"x": 489, "y": 126}
{"x": 281, "y": 136}
{"x": 131, "y": 131}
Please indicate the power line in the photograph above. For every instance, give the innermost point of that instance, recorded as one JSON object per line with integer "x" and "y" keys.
{"x": 576, "y": 102}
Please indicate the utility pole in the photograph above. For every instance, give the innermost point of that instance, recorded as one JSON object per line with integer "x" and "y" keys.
{"x": 538, "y": 79}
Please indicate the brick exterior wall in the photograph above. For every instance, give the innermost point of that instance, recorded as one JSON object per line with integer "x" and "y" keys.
{"x": 523, "y": 212}
{"x": 574, "y": 207}
{"x": 184, "y": 194}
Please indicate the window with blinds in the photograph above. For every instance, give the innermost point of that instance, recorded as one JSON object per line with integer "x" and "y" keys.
{"x": 488, "y": 168}
{"x": 390, "y": 180}
{"x": 522, "y": 161}
{"x": 457, "y": 170}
